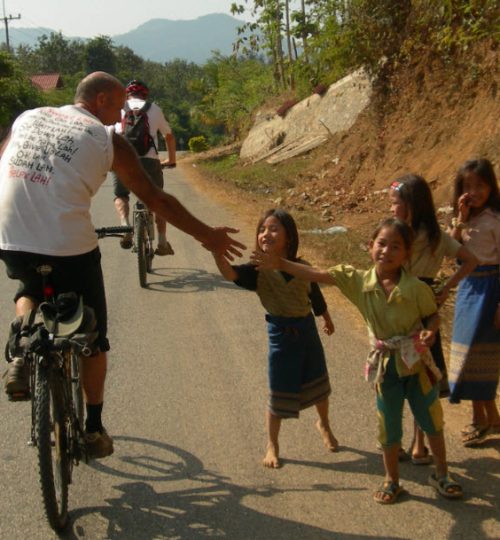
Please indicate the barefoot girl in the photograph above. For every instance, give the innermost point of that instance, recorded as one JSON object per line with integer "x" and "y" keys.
{"x": 393, "y": 304}
{"x": 298, "y": 377}
{"x": 475, "y": 349}
{"x": 411, "y": 201}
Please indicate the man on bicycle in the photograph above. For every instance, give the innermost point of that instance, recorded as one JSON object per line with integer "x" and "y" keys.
{"x": 137, "y": 101}
{"x": 51, "y": 164}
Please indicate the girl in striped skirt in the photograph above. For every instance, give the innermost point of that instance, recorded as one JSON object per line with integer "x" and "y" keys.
{"x": 475, "y": 349}
{"x": 298, "y": 376}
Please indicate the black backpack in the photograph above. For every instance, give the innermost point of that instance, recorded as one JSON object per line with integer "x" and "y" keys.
{"x": 135, "y": 128}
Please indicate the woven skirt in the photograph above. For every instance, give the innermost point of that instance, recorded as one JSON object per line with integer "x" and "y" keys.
{"x": 298, "y": 376}
{"x": 475, "y": 349}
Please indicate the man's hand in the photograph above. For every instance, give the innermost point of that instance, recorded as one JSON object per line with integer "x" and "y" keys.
{"x": 221, "y": 243}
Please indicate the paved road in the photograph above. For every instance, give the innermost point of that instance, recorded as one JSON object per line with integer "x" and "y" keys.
{"x": 185, "y": 402}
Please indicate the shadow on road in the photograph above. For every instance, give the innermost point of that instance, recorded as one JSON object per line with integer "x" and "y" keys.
{"x": 210, "y": 506}
{"x": 186, "y": 280}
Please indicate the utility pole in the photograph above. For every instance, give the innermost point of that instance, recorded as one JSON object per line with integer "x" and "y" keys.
{"x": 6, "y": 20}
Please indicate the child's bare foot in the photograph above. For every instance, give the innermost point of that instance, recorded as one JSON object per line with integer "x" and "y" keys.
{"x": 271, "y": 458}
{"x": 329, "y": 440}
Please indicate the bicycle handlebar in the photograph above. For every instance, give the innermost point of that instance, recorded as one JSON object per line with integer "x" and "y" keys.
{"x": 113, "y": 231}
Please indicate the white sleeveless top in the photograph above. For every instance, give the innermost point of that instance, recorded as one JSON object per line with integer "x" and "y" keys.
{"x": 56, "y": 160}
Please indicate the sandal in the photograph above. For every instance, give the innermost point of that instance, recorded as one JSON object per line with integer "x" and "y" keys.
{"x": 426, "y": 459}
{"x": 387, "y": 493}
{"x": 446, "y": 486}
{"x": 475, "y": 436}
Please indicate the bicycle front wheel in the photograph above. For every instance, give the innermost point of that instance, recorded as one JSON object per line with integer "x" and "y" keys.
{"x": 52, "y": 444}
{"x": 76, "y": 389}
{"x": 141, "y": 246}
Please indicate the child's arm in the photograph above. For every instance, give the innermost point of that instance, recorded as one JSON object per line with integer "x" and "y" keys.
{"x": 469, "y": 262}
{"x": 268, "y": 261}
{"x": 224, "y": 267}
{"x": 328, "y": 326}
{"x": 428, "y": 335}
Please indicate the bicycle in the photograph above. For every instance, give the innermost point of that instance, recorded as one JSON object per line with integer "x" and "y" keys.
{"x": 144, "y": 235}
{"x": 52, "y": 340}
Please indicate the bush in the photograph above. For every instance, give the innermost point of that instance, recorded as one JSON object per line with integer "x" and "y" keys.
{"x": 198, "y": 144}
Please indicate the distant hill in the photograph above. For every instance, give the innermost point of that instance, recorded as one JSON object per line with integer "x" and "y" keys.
{"x": 163, "y": 40}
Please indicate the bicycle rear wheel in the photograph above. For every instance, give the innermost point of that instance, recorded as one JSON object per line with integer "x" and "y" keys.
{"x": 141, "y": 246}
{"x": 53, "y": 456}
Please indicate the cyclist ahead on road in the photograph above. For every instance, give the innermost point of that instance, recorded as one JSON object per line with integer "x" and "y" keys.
{"x": 52, "y": 164}
{"x": 136, "y": 106}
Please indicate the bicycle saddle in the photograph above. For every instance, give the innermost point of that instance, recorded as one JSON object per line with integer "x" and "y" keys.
{"x": 64, "y": 316}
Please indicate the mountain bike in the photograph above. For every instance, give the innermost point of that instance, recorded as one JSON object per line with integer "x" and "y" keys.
{"x": 52, "y": 340}
{"x": 144, "y": 235}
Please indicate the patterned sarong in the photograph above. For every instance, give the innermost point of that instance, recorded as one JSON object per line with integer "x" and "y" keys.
{"x": 298, "y": 376}
{"x": 475, "y": 349}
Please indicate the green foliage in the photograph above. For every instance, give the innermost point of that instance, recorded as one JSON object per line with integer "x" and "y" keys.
{"x": 231, "y": 89}
{"x": 197, "y": 144}
{"x": 99, "y": 55}
{"x": 16, "y": 91}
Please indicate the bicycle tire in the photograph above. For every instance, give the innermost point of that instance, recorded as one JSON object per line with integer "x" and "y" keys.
{"x": 141, "y": 246}
{"x": 76, "y": 389}
{"x": 53, "y": 459}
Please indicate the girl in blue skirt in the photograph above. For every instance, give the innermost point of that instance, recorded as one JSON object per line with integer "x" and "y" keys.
{"x": 298, "y": 376}
{"x": 475, "y": 349}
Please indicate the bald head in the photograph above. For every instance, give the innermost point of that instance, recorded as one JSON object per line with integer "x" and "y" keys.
{"x": 96, "y": 83}
{"x": 102, "y": 95}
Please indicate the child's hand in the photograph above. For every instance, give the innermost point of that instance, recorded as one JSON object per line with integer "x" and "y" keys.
{"x": 496, "y": 320}
{"x": 265, "y": 261}
{"x": 427, "y": 337}
{"x": 328, "y": 326}
{"x": 463, "y": 207}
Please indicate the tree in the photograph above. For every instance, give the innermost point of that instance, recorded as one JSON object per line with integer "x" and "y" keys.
{"x": 99, "y": 55}
{"x": 16, "y": 91}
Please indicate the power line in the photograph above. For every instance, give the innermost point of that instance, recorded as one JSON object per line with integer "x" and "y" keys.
{"x": 6, "y": 20}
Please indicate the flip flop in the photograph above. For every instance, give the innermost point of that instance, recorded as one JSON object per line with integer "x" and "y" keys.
{"x": 426, "y": 459}
{"x": 444, "y": 484}
{"x": 476, "y": 436}
{"x": 390, "y": 490}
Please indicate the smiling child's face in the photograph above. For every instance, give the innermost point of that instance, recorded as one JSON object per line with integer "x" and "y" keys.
{"x": 388, "y": 250}
{"x": 271, "y": 237}
{"x": 477, "y": 189}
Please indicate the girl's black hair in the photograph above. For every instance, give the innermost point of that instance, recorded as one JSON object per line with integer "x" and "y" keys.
{"x": 292, "y": 235}
{"x": 416, "y": 194}
{"x": 404, "y": 230}
{"x": 484, "y": 169}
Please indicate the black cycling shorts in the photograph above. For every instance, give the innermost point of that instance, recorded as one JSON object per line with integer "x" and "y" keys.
{"x": 78, "y": 273}
{"x": 153, "y": 168}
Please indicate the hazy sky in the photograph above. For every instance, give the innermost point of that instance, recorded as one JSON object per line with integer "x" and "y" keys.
{"x": 88, "y": 18}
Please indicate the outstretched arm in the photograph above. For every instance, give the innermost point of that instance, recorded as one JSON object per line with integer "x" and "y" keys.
{"x": 268, "y": 261}
{"x": 224, "y": 267}
{"x": 127, "y": 166}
